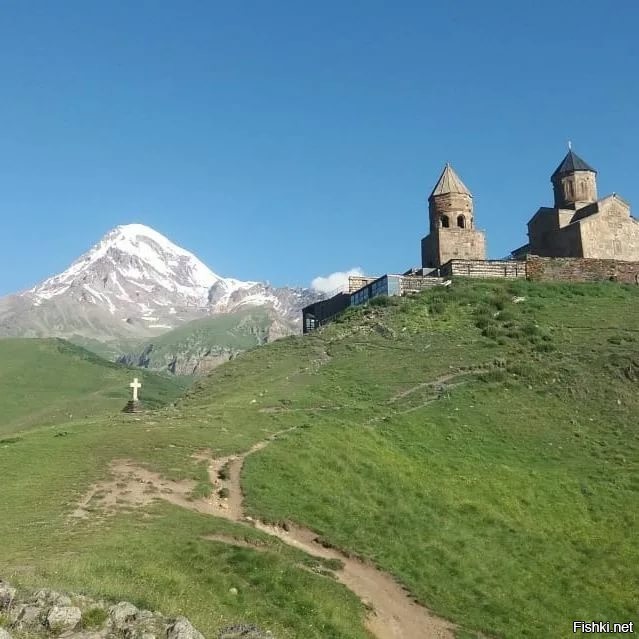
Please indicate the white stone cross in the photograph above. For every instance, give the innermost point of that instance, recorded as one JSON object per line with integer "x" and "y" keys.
{"x": 135, "y": 385}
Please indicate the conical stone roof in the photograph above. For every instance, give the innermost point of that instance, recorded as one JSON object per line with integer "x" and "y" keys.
{"x": 449, "y": 182}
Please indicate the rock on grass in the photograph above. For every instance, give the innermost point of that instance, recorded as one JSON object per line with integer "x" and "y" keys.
{"x": 181, "y": 628}
{"x": 122, "y": 614}
{"x": 63, "y": 618}
{"x": 7, "y": 595}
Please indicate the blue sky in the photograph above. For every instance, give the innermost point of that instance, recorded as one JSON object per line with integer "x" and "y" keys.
{"x": 286, "y": 140}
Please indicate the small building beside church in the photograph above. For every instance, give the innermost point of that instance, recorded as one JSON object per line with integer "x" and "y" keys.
{"x": 580, "y": 224}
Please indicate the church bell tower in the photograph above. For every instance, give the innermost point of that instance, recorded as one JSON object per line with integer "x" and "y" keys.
{"x": 574, "y": 183}
{"x": 452, "y": 224}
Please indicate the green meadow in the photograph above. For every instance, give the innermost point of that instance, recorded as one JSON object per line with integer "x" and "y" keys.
{"x": 48, "y": 381}
{"x": 478, "y": 442}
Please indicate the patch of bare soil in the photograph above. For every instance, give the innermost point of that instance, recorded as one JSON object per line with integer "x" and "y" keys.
{"x": 134, "y": 486}
{"x": 394, "y": 614}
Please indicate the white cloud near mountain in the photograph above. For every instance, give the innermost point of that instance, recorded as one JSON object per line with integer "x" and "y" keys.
{"x": 334, "y": 280}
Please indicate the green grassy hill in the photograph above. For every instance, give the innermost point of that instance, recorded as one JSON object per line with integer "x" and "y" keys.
{"x": 202, "y": 344}
{"x": 478, "y": 442}
{"x": 44, "y": 381}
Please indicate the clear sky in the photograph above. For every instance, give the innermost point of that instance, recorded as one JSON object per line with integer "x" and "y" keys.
{"x": 286, "y": 140}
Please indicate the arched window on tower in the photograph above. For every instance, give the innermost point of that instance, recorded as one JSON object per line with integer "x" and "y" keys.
{"x": 461, "y": 221}
{"x": 445, "y": 221}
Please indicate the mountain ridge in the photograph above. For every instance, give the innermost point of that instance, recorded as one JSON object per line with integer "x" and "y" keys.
{"x": 134, "y": 285}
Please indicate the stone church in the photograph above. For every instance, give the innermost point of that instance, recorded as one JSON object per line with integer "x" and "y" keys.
{"x": 579, "y": 224}
{"x": 452, "y": 224}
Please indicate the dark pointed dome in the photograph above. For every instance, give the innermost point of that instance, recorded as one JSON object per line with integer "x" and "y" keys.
{"x": 572, "y": 162}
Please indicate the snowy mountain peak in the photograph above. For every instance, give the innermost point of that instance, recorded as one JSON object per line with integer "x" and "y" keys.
{"x": 135, "y": 269}
{"x": 153, "y": 251}
{"x": 135, "y": 283}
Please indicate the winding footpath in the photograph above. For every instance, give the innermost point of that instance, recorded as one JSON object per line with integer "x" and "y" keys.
{"x": 393, "y": 613}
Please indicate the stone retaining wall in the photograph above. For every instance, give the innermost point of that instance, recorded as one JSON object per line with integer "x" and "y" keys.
{"x": 408, "y": 284}
{"x": 577, "y": 269}
{"x": 483, "y": 268}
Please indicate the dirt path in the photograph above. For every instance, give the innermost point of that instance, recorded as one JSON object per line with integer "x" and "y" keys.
{"x": 440, "y": 382}
{"x": 394, "y": 614}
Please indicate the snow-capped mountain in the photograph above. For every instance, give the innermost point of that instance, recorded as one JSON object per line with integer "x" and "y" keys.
{"x": 135, "y": 283}
{"x": 136, "y": 270}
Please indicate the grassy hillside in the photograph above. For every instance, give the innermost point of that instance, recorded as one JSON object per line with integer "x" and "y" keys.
{"x": 110, "y": 350}
{"x": 483, "y": 450}
{"x": 239, "y": 331}
{"x": 204, "y": 342}
{"x": 44, "y": 381}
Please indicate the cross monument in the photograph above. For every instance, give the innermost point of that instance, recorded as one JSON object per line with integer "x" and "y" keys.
{"x": 135, "y": 385}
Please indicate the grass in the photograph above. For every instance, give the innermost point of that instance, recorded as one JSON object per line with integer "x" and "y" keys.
{"x": 94, "y": 617}
{"x": 498, "y": 505}
{"x": 49, "y": 381}
{"x": 505, "y": 498}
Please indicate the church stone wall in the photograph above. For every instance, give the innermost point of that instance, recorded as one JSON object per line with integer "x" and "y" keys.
{"x": 549, "y": 234}
{"x": 460, "y": 244}
{"x": 549, "y": 269}
{"x": 612, "y": 234}
{"x": 429, "y": 251}
{"x": 568, "y": 242}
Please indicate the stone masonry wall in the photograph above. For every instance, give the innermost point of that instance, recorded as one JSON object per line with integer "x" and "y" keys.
{"x": 576, "y": 269}
{"x": 612, "y": 234}
{"x": 416, "y": 284}
{"x": 483, "y": 268}
{"x": 355, "y": 282}
{"x": 451, "y": 205}
{"x": 460, "y": 244}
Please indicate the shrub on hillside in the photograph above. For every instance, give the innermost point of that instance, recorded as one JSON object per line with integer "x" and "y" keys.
{"x": 437, "y": 308}
{"x": 506, "y": 315}
{"x": 499, "y": 301}
{"x": 530, "y": 329}
{"x": 491, "y": 331}
{"x": 544, "y": 347}
{"x": 94, "y": 617}
{"x": 483, "y": 318}
{"x": 381, "y": 300}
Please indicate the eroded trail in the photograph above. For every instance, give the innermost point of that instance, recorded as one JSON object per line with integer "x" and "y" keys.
{"x": 394, "y": 614}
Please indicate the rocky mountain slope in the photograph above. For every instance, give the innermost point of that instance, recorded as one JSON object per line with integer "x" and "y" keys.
{"x": 134, "y": 285}
{"x": 201, "y": 345}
